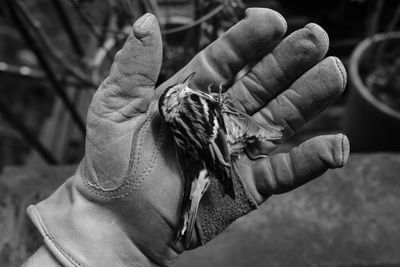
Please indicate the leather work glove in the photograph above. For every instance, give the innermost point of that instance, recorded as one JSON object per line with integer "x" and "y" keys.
{"x": 122, "y": 207}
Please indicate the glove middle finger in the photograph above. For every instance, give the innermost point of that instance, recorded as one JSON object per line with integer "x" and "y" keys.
{"x": 278, "y": 70}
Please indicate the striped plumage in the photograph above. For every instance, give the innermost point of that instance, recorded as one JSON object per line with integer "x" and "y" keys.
{"x": 208, "y": 134}
{"x": 196, "y": 122}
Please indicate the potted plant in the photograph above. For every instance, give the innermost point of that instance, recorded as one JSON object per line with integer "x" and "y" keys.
{"x": 372, "y": 120}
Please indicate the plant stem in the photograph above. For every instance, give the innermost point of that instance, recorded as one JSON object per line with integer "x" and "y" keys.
{"x": 26, "y": 133}
{"x": 65, "y": 20}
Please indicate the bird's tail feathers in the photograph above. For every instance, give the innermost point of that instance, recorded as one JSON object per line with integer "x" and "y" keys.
{"x": 198, "y": 188}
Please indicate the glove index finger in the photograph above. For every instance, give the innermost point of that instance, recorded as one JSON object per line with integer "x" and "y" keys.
{"x": 249, "y": 40}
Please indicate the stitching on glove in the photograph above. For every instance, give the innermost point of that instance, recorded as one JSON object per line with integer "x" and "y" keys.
{"x": 45, "y": 232}
{"x": 129, "y": 183}
{"x": 85, "y": 173}
{"x": 343, "y": 78}
{"x": 342, "y": 74}
{"x": 135, "y": 158}
{"x": 126, "y": 183}
{"x": 159, "y": 139}
{"x": 342, "y": 154}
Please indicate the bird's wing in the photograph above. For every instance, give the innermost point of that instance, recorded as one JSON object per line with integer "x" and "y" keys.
{"x": 241, "y": 125}
{"x": 217, "y": 152}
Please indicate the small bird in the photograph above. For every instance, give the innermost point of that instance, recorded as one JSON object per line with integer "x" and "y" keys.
{"x": 209, "y": 134}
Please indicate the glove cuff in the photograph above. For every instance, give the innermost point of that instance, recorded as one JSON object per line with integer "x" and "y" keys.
{"x": 80, "y": 233}
{"x": 217, "y": 212}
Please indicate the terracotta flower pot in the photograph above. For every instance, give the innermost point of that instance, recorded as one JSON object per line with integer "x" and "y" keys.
{"x": 370, "y": 124}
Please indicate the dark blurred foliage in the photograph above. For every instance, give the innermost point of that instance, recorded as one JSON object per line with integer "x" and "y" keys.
{"x": 346, "y": 21}
{"x": 30, "y": 100}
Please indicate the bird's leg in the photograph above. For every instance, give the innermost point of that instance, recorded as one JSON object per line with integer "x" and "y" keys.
{"x": 220, "y": 98}
{"x": 254, "y": 157}
{"x": 210, "y": 89}
{"x": 214, "y": 95}
{"x": 220, "y": 88}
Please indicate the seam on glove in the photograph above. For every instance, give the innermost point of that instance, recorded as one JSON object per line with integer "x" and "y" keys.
{"x": 139, "y": 135}
{"x": 216, "y": 212}
{"x": 133, "y": 178}
{"x": 50, "y": 239}
{"x": 343, "y": 154}
{"x": 343, "y": 85}
{"x": 342, "y": 74}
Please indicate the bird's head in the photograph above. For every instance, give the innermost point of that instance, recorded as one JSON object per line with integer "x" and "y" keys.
{"x": 170, "y": 100}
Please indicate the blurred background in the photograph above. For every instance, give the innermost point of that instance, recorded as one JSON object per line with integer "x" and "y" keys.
{"x": 55, "y": 53}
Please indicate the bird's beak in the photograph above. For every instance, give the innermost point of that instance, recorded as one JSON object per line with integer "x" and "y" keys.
{"x": 188, "y": 79}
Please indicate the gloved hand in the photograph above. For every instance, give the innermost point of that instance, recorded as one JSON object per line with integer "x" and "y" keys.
{"x": 122, "y": 207}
